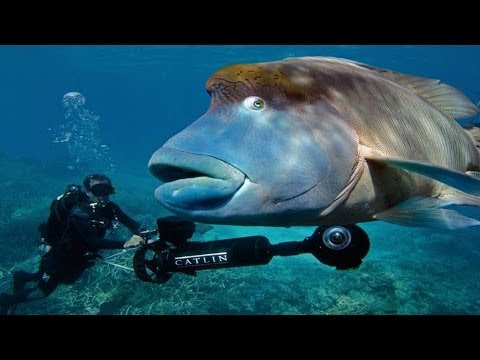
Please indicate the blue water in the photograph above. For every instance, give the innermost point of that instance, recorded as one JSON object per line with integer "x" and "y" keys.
{"x": 145, "y": 94}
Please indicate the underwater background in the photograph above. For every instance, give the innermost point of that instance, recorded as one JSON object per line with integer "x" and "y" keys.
{"x": 66, "y": 111}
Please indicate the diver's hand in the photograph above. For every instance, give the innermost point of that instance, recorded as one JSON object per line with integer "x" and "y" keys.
{"x": 135, "y": 240}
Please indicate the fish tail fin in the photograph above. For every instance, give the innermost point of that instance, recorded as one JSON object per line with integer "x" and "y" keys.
{"x": 427, "y": 212}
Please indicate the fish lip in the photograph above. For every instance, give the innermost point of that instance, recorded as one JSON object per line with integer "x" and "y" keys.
{"x": 193, "y": 181}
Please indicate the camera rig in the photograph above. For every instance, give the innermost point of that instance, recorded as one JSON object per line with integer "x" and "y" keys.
{"x": 170, "y": 251}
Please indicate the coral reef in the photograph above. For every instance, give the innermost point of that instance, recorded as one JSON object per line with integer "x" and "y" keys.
{"x": 407, "y": 271}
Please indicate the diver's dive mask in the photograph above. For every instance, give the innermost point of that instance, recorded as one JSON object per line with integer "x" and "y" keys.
{"x": 102, "y": 189}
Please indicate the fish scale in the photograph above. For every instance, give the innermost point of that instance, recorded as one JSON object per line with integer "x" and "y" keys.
{"x": 323, "y": 141}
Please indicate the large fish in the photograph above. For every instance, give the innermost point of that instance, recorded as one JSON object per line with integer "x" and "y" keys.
{"x": 321, "y": 141}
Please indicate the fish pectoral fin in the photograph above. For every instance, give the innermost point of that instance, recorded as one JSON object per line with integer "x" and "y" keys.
{"x": 426, "y": 212}
{"x": 463, "y": 182}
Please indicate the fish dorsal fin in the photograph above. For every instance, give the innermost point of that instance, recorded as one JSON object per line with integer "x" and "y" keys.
{"x": 444, "y": 97}
{"x": 474, "y": 133}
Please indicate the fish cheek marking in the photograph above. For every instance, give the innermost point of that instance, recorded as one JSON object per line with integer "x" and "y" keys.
{"x": 224, "y": 93}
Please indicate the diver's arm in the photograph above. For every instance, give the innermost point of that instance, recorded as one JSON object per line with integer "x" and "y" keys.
{"x": 134, "y": 226}
{"x": 90, "y": 237}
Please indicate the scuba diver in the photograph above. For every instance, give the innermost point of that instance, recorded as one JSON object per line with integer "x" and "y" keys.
{"x": 73, "y": 235}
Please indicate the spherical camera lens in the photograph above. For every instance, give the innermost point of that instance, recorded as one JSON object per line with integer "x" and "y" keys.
{"x": 337, "y": 238}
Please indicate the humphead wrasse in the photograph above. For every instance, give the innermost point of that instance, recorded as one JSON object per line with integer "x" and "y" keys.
{"x": 323, "y": 141}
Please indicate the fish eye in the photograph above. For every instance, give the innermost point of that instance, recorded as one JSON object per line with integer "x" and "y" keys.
{"x": 254, "y": 103}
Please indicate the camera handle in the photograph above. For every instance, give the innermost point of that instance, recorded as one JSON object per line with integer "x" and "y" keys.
{"x": 341, "y": 246}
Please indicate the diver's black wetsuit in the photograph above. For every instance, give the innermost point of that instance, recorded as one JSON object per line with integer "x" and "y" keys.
{"x": 81, "y": 234}
{"x": 65, "y": 262}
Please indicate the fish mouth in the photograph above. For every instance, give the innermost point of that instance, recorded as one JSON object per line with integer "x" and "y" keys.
{"x": 193, "y": 181}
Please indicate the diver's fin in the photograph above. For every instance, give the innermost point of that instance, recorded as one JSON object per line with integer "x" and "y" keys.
{"x": 426, "y": 212}
{"x": 442, "y": 96}
{"x": 455, "y": 179}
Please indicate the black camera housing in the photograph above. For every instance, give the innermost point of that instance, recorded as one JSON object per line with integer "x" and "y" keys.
{"x": 343, "y": 247}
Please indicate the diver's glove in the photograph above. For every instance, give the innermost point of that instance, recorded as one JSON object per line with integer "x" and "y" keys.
{"x": 135, "y": 240}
